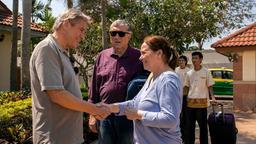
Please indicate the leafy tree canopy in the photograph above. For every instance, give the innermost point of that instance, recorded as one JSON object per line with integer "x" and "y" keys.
{"x": 182, "y": 22}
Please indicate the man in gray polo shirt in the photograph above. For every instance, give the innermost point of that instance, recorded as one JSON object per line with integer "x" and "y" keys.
{"x": 57, "y": 103}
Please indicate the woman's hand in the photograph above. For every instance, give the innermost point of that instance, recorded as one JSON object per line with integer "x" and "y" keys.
{"x": 133, "y": 114}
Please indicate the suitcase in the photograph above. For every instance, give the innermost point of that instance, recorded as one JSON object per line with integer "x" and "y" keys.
{"x": 222, "y": 127}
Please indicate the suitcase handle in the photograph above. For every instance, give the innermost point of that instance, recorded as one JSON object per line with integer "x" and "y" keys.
{"x": 222, "y": 110}
{"x": 218, "y": 104}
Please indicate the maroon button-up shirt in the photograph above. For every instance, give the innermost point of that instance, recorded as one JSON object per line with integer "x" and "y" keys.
{"x": 112, "y": 74}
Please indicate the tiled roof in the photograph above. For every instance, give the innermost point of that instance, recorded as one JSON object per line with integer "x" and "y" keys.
{"x": 7, "y": 20}
{"x": 243, "y": 37}
{"x": 4, "y": 8}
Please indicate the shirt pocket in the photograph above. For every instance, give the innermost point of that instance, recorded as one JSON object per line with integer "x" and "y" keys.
{"x": 202, "y": 81}
{"x": 125, "y": 74}
{"x": 104, "y": 74}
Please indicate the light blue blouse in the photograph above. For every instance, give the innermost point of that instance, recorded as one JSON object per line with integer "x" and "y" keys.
{"x": 161, "y": 103}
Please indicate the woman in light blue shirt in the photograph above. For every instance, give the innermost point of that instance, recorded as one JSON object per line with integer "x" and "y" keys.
{"x": 156, "y": 108}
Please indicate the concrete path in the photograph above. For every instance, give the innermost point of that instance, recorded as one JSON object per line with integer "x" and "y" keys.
{"x": 245, "y": 123}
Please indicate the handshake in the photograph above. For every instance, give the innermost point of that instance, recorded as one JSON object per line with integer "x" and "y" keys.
{"x": 102, "y": 110}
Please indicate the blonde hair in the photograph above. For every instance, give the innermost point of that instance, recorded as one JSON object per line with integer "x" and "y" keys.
{"x": 73, "y": 15}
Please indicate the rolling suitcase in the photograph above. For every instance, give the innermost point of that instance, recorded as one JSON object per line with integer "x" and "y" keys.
{"x": 222, "y": 127}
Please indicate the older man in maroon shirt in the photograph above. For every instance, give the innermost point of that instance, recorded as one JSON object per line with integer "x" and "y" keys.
{"x": 114, "y": 69}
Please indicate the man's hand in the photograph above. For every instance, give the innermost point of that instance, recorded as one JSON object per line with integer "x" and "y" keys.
{"x": 101, "y": 111}
{"x": 93, "y": 124}
{"x": 185, "y": 90}
{"x": 132, "y": 114}
{"x": 213, "y": 101}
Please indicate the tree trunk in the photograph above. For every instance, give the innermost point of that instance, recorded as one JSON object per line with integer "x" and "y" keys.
{"x": 103, "y": 22}
{"x": 70, "y": 4}
{"x": 13, "y": 76}
{"x": 200, "y": 43}
{"x": 25, "y": 51}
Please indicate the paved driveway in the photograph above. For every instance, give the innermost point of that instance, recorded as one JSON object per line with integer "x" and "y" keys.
{"x": 245, "y": 123}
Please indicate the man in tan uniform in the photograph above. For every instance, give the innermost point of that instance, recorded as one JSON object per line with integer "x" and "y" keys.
{"x": 199, "y": 82}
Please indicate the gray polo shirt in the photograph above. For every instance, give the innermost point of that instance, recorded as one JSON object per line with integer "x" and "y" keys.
{"x": 50, "y": 68}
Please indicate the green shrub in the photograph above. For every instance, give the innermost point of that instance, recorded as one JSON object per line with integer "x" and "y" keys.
{"x": 6, "y": 97}
{"x": 84, "y": 91}
{"x": 16, "y": 118}
{"x": 12, "y": 109}
{"x": 83, "y": 88}
{"x": 16, "y": 122}
{"x": 85, "y": 95}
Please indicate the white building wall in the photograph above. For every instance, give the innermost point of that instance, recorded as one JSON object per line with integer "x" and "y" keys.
{"x": 249, "y": 65}
{"x": 5, "y": 61}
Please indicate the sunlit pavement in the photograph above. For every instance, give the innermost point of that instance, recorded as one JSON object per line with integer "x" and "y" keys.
{"x": 245, "y": 123}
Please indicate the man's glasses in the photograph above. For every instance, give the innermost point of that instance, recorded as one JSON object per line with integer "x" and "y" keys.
{"x": 120, "y": 33}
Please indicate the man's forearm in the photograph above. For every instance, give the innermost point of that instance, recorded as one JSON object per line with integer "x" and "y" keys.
{"x": 211, "y": 93}
{"x": 67, "y": 100}
{"x": 185, "y": 90}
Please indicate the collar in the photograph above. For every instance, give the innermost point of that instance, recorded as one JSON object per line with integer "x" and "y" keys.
{"x": 126, "y": 53}
{"x": 54, "y": 41}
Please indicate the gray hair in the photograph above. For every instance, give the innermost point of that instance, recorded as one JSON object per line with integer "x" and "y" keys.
{"x": 121, "y": 22}
{"x": 73, "y": 15}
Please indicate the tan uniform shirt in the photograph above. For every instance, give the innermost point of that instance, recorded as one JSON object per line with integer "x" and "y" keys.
{"x": 198, "y": 83}
{"x": 182, "y": 74}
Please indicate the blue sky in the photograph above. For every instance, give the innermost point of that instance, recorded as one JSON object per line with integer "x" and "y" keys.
{"x": 56, "y": 5}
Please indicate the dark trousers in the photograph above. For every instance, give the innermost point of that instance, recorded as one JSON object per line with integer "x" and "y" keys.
{"x": 183, "y": 117}
{"x": 115, "y": 130}
{"x": 199, "y": 115}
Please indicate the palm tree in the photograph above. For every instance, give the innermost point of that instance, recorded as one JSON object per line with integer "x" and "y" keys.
{"x": 103, "y": 21}
{"x": 13, "y": 75}
{"x": 69, "y": 3}
{"x": 47, "y": 18}
{"x": 25, "y": 37}
{"x": 37, "y": 9}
